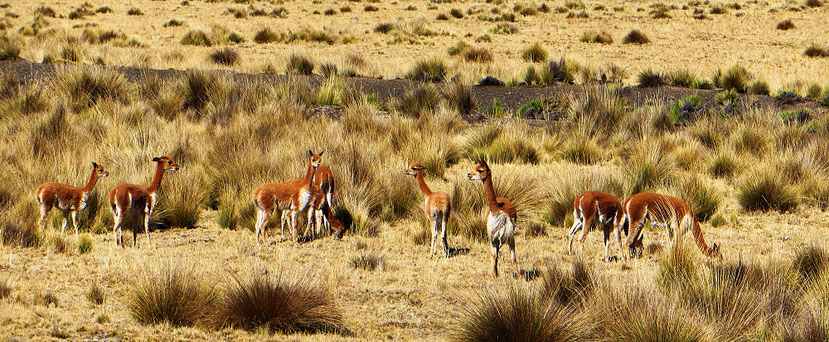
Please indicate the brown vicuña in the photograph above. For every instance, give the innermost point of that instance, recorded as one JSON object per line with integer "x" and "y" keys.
{"x": 139, "y": 200}
{"x": 669, "y": 212}
{"x": 500, "y": 223}
{"x": 320, "y": 213}
{"x": 68, "y": 199}
{"x": 285, "y": 196}
{"x": 593, "y": 208}
{"x": 438, "y": 207}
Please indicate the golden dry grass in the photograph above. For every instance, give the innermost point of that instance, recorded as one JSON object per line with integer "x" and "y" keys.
{"x": 749, "y": 35}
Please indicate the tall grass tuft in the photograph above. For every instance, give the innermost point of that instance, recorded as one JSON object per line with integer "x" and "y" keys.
{"x": 516, "y": 314}
{"x": 225, "y": 56}
{"x": 810, "y": 262}
{"x": 95, "y": 294}
{"x": 173, "y": 296}
{"x": 84, "y": 244}
{"x": 87, "y": 87}
{"x": 428, "y": 70}
{"x": 571, "y": 287}
{"x": 17, "y": 235}
{"x": 636, "y": 37}
{"x": 534, "y": 53}
{"x": 299, "y": 65}
{"x": 764, "y": 190}
{"x": 265, "y": 301}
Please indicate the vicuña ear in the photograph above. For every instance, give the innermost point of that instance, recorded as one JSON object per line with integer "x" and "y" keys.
{"x": 321, "y": 152}
{"x": 157, "y": 159}
{"x": 499, "y": 204}
{"x": 95, "y": 165}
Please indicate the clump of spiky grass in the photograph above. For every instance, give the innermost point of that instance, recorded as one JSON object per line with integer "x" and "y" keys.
{"x": 95, "y": 294}
{"x": 810, "y": 262}
{"x": 416, "y": 102}
{"x": 650, "y": 78}
{"x": 636, "y": 37}
{"x": 182, "y": 203}
{"x": 723, "y": 164}
{"x": 196, "y": 38}
{"x": 173, "y": 296}
{"x": 10, "y": 47}
{"x": 84, "y": 244}
{"x": 265, "y": 301}
{"x": 18, "y": 235}
{"x": 703, "y": 198}
{"x": 478, "y": 55}
{"x": 5, "y": 288}
{"x": 596, "y": 37}
{"x": 785, "y": 25}
{"x": 459, "y": 97}
{"x": 368, "y": 261}
{"x": 428, "y": 70}
{"x": 225, "y": 56}
{"x": 516, "y": 314}
{"x": 759, "y": 87}
{"x": 299, "y": 65}
{"x": 89, "y": 86}
{"x": 534, "y": 53}
{"x": 581, "y": 150}
{"x": 649, "y": 168}
{"x": 568, "y": 287}
{"x": 266, "y": 35}
{"x": 736, "y": 78}
{"x": 764, "y": 190}
{"x": 816, "y": 51}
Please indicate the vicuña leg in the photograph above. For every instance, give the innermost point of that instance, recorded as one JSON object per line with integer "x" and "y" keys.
{"x": 494, "y": 262}
{"x": 64, "y": 223}
{"x": 44, "y": 211}
{"x": 148, "y": 213}
{"x": 514, "y": 258}
{"x": 444, "y": 220}
{"x": 75, "y": 222}
{"x": 262, "y": 218}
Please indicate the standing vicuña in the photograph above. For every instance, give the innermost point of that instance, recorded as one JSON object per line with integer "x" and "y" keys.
{"x": 666, "y": 211}
{"x": 438, "y": 207}
{"x": 321, "y": 203}
{"x": 285, "y": 196}
{"x": 500, "y": 223}
{"x": 138, "y": 200}
{"x": 593, "y": 208}
{"x": 67, "y": 198}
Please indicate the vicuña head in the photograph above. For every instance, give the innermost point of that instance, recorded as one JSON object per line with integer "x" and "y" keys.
{"x": 414, "y": 169}
{"x": 316, "y": 158}
{"x": 480, "y": 173}
{"x": 100, "y": 170}
{"x": 167, "y": 163}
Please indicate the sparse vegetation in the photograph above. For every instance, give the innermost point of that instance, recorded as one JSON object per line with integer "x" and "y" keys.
{"x": 428, "y": 70}
{"x": 785, "y": 25}
{"x": 173, "y": 296}
{"x": 534, "y": 53}
{"x": 299, "y": 65}
{"x": 225, "y": 56}
{"x": 593, "y": 37}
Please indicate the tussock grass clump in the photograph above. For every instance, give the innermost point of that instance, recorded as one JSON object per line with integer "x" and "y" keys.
{"x": 428, "y": 70}
{"x": 266, "y": 35}
{"x": 173, "y": 296}
{"x": 299, "y": 65}
{"x": 581, "y": 150}
{"x": 810, "y": 262}
{"x": 45, "y": 298}
{"x": 650, "y": 78}
{"x": 264, "y": 301}
{"x": 724, "y": 164}
{"x": 173, "y": 23}
{"x": 45, "y": 11}
{"x": 636, "y": 37}
{"x": 649, "y": 168}
{"x": 764, "y": 190}
{"x": 813, "y": 91}
{"x": 9, "y": 47}
{"x": 736, "y": 78}
{"x": 567, "y": 288}
{"x": 17, "y": 235}
{"x": 816, "y": 51}
{"x": 759, "y": 87}
{"x": 368, "y": 261}
{"x": 534, "y": 53}
{"x": 703, "y": 198}
{"x": 135, "y": 11}
{"x": 596, "y": 37}
{"x": 416, "y": 102}
{"x": 459, "y": 97}
{"x": 89, "y": 86}
{"x": 95, "y": 294}
{"x": 225, "y": 56}
{"x": 5, "y": 288}
{"x": 196, "y": 38}
{"x": 478, "y": 55}
{"x": 785, "y": 25}
{"x": 813, "y": 3}
{"x": 516, "y": 314}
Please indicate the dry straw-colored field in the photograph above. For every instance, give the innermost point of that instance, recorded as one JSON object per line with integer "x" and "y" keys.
{"x": 748, "y": 156}
{"x": 385, "y": 38}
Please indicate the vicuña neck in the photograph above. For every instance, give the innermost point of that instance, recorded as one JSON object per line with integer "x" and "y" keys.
{"x": 159, "y": 173}
{"x": 490, "y": 192}
{"x": 422, "y": 183}
{"x": 309, "y": 174}
{"x": 92, "y": 180}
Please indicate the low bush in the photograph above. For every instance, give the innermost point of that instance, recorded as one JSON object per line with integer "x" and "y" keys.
{"x": 428, "y": 70}
{"x": 636, "y": 37}
{"x": 535, "y": 53}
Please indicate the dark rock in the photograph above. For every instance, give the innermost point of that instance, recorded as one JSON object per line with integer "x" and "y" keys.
{"x": 532, "y": 113}
{"x": 490, "y": 81}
